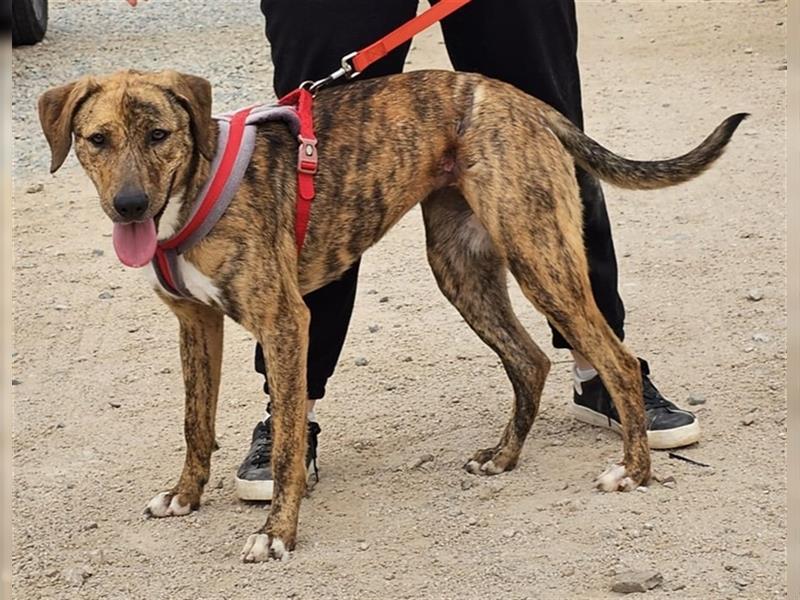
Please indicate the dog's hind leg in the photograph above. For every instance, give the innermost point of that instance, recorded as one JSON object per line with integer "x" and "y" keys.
{"x": 537, "y": 229}
{"x": 201, "y": 357}
{"x": 473, "y": 277}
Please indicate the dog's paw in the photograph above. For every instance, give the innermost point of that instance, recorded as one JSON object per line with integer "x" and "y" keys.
{"x": 166, "y": 504}
{"x": 614, "y": 479}
{"x": 260, "y": 548}
{"x": 491, "y": 461}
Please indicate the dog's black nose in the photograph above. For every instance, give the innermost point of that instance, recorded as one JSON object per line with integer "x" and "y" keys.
{"x": 131, "y": 205}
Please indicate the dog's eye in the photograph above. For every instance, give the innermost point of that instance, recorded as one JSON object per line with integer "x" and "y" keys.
{"x": 98, "y": 139}
{"x": 158, "y": 135}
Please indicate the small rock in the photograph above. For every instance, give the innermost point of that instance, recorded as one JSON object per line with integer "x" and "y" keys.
{"x": 361, "y": 362}
{"x": 408, "y": 359}
{"x": 748, "y": 421}
{"x": 696, "y": 400}
{"x": 114, "y": 404}
{"x": 51, "y": 573}
{"x": 425, "y": 458}
{"x": 220, "y": 483}
{"x": 105, "y": 295}
{"x": 90, "y": 525}
{"x": 363, "y": 546}
{"x": 75, "y": 576}
{"x": 35, "y": 188}
{"x": 741, "y": 582}
{"x": 642, "y": 489}
{"x": 760, "y": 337}
{"x": 749, "y": 349}
{"x": 133, "y": 329}
{"x": 97, "y": 252}
{"x": 389, "y": 576}
{"x": 509, "y": 533}
{"x": 755, "y": 295}
{"x": 372, "y": 292}
{"x": 384, "y": 299}
{"x": 373, "y": 328}
{"x": 748, "y": 50}
{"x": 15, "y": 382}
{"x": 472, "y": 521}
{"x": 636, "y": 581}
{"x": 568, "y": 571}
{"x": 467, "y": 484}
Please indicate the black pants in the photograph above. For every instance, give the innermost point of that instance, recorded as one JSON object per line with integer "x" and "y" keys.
{"x": 531, "y": 44}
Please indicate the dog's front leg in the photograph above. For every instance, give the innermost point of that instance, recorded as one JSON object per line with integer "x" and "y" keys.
{"x": 286, "y": 343}
{"x": 201, "y": 357}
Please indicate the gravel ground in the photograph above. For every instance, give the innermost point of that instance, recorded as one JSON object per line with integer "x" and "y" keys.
{"x": 98, "y": 409}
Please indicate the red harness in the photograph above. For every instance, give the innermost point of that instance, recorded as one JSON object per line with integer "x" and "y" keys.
{"x": 236, "y": 147}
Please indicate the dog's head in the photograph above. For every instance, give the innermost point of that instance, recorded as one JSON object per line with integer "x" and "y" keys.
{"x": 138, "y": 136}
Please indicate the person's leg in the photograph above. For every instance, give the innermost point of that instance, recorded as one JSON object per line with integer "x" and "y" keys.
{"x": 533, "y": 46}
{"x": 307, "y": 40}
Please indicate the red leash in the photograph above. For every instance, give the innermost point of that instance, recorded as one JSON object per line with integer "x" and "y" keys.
{"x": 352, "y": 66}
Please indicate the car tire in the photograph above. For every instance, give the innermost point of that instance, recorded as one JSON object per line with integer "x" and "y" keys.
{"x": 28, "y": 21}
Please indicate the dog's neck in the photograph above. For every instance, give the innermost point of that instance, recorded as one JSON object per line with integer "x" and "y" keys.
{"x": 181, "y": 204}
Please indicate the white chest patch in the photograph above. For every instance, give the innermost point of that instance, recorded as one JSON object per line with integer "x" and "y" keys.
{"x": 168, "y": 224}
{"x": 200, "y": 286}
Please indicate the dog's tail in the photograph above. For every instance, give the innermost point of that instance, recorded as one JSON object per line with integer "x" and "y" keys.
{"x": 639, "y": 174}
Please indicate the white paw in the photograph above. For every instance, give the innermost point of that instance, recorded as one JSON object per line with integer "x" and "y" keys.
{"x": 490, "y": 468}
{"x": 613, "y": 479}
{"x": 473, "y": 467}
{"x": 259, "y": 549}
{"x": 166, "y": 504}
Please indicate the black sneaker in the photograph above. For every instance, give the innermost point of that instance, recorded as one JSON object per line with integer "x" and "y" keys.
{"x": 667, "y": 425}
{"x": 254, "y": 477}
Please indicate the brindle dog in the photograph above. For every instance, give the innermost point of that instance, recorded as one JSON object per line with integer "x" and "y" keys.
{"x": 494, "y": 170}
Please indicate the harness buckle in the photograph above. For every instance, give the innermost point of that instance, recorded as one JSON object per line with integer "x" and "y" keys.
{"x": 307, "y": 157}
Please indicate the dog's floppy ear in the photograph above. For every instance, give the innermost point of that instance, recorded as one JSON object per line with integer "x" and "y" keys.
{"x": 57, "y": 108}
{"x": 194, "y": 94}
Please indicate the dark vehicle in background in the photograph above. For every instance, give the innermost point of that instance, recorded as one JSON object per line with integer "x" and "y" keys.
{"x": 28, "y": 21}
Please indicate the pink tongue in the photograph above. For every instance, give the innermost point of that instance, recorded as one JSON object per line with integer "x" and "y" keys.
{"x": 135, "y": 243}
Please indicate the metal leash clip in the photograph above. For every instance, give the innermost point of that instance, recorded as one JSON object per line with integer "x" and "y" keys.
{"x": 347, "y": 70}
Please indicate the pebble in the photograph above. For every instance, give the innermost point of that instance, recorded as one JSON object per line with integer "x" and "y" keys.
{"x": 90, "y": 525}
{"x": 97, "y": 252}
{"x": 424, "y": 459}
{"x": 755, "y": 295}
{"x": 748, "y": 50}
{"x": 748, "y": 421}
{"x": 636, "y": 581}
{"x": 384, "y": 299}
{"x": 220, "y": 483}
{"x": 642, "y": 489}
{"x": 75, "y": 576}
{"x": 361, "y": 362}
{"x": 35, "y": 188}
{"x": 467, "y": 484}
{"x": 472, "y": 521}
{"x": 696, "y": 400}
{"x": 15, "y": 381}
{"x": 509, "y": 533}
{"x": 760, "y": 337}
{"x": 781, "y": 67}
{"x": 105, "y": 295}
{"x": 373, "y": 328}
{"x": 363, "y": 546}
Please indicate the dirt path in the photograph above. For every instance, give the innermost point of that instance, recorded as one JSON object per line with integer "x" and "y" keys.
{"x": 98, "y": 409}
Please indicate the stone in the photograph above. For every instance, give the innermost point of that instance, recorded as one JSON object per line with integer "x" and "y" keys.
{"x": 35, "y": 188}
{"x": 636, "y": 581}
{"x": 760, "y": 337}
{"x": 424, "y": 459}
{"x": 363, "y": 546}
{"x": 384, "y": 299}
{"x": 755, "y": 295}
{"x": 696, "y": 400}
{"x": 75, "y": 576}
{"x": 91, "y": 525}
{"x": 373, "y": 328}
{"x": 97, "y": 252}
{"x": 361, "y": 362}
{"x": 105, "y": 295}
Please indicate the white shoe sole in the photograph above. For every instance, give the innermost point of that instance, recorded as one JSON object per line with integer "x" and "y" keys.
{"x": 261, "y": 490}
{"x": 666, "y": 439}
